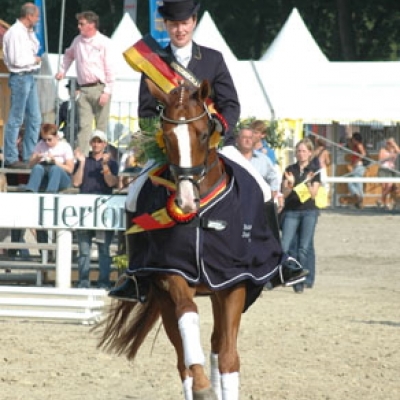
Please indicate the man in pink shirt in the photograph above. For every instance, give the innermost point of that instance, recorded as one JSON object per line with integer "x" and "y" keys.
{"x": 93, "y": 55}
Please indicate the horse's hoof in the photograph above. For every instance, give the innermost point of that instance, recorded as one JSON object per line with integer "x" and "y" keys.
{"x": 205, "y": 394}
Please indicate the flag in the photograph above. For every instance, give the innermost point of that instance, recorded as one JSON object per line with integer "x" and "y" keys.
{"x": 40, "y": 28}
{"x": 302, "y": 191}
{"x": 157, "y": 27}
{"x": 143, "y": 57}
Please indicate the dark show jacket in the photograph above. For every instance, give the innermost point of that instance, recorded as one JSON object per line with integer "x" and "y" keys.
{"x": 205, "y": 64}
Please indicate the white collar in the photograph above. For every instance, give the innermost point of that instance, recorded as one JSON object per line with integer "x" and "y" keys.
{"x": 183, "y": 52}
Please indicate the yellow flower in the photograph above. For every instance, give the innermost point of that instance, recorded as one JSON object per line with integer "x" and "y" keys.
{"x": 160, "y": 139}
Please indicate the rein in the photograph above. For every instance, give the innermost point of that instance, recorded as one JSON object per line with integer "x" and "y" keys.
{"x": 184, "y": 174}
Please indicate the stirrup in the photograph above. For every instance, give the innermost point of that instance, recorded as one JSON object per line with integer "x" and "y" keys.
{"x": 301, "y": 277}
{"x": 121, "y": 281}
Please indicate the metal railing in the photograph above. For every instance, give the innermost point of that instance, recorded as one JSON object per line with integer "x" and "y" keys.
{"x": 123, "y": 111}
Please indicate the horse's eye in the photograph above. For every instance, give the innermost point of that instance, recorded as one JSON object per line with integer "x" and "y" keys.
{"x": 204, "y": 136}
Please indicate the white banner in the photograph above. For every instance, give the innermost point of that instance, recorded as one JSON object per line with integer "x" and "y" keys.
{"x": 58, "y": 211}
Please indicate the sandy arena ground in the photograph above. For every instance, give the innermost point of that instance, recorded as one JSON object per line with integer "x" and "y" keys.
{"x": 338, "y": 341}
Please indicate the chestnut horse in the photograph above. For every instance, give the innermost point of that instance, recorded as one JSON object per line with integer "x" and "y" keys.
{"x": 195, "y": 168}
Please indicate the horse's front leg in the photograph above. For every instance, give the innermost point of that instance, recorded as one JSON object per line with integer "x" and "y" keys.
{"x": 181, "y": 322}
{"x": 227, "y": 307}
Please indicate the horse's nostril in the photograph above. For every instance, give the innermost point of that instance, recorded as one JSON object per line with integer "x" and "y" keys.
{"x": 178, "y": 202}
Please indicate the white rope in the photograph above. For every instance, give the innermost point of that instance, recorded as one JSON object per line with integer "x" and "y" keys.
{"x": 365, "y": 179}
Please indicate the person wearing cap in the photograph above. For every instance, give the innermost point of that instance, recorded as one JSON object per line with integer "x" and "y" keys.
{"x": 95, "y": 174}
{"x": 20, "y": 49}
{"x": 95, "y": 67}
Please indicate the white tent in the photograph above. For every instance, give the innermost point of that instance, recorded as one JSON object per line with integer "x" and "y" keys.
{"x": 208, "y": 35}
{"x": 294, "y": 43}
{"x": 125, "y": 35}
{"x": 313, "y": 92}
{"x": 126, "y": 88}
{"x": 340, "y": 91}
{"x": 253, "y": 102}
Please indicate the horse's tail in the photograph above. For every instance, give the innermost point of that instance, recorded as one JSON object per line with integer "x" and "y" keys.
{"x": 126, "y": 325}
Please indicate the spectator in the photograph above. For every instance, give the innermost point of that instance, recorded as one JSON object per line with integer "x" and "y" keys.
{"x": 357, "y": 168}
{"x": 262, "y": 164}
{"x": 20, "y": 48}
{"x": 260, "y": 161}
{"x": 65, "y": 115}
{"x": 322, "y": 158}
{"x": 95, "y": 174}
{"x": 387, "y": 169}
{"x": 300, "y": 217}
{"x": 94, "y": 60}
{"x": 260, "y": 144}
{"x": 52, "y": 163}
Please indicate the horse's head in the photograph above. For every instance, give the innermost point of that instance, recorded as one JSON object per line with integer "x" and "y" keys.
{"x": 187, "y": 127}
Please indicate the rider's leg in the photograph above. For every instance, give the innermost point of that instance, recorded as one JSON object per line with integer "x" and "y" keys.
{"x": 133, "y": 288}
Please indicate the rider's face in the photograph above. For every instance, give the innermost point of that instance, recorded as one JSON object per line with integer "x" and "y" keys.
{"x": 181, "y": 32}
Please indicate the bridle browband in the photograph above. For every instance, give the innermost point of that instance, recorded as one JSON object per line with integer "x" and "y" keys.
{"x": 185, "y": 121}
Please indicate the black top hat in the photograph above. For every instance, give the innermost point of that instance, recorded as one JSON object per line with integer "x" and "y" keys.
{"x": 178, "y": 10}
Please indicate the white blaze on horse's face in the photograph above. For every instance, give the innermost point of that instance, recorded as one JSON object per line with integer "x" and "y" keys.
{"x": 186, "y": 197}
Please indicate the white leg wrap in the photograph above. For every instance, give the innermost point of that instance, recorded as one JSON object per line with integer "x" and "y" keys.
{"x": 230, "y": 386}
{"x": 215, "y": 376}
{"x": 187, "y": 388}
{"x": 189, "y": 328}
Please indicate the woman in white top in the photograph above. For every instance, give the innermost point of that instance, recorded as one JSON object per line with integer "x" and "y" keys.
{"x": 387, "y": 168}
{"x": 52, "y": 162}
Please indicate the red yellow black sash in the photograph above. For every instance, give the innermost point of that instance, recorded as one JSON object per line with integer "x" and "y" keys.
{"x": 147, "y": 56}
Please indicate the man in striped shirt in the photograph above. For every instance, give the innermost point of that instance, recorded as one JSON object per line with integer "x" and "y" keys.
{"x": 95, "y": 67}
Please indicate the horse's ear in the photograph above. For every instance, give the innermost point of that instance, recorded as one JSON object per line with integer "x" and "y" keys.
{"x": 156, "y": 91}
{"x": 204, "y": 90}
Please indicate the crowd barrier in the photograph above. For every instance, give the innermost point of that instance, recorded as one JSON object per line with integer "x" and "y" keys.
{"x": 61, "y": 213}
{"x": 52, "y": 303}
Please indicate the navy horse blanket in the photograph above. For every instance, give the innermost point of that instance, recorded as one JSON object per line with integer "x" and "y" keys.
{"x": 245, "y": 250}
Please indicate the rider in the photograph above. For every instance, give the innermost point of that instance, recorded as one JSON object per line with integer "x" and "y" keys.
{"x": 180, "y": 18}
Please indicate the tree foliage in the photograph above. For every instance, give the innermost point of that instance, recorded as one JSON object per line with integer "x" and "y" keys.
{"x": 363, "y": 30}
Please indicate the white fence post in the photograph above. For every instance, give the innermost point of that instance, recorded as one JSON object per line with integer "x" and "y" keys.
{"x": 63, "y": 258}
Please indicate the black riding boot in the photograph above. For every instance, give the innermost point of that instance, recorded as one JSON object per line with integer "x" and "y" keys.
{"x": 133, "y": 288}
{"x": 290, "y": 273}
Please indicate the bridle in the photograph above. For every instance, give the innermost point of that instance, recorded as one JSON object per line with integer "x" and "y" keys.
{"x": 201, "y": 170}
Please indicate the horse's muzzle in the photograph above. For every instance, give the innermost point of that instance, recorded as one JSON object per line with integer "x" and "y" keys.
{"x": 187, "y": 196}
